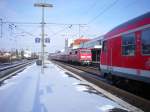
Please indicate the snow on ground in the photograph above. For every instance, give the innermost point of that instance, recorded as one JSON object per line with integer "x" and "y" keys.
{"x": 53, "y": 91}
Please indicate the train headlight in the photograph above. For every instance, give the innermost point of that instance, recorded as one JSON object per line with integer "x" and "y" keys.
{"x": 82, "y": 56}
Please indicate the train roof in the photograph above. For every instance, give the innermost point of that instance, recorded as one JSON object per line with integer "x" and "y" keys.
{"x": 129, "y": 25}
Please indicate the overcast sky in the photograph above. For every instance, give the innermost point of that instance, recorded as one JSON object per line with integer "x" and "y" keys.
{"x": 100, "y": 16}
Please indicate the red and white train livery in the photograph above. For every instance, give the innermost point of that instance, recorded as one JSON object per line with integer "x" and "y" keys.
{"x": 80, "y": 55}
{"x": 126, "y": 50}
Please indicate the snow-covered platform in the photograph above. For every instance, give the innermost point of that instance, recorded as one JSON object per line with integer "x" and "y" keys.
{"x": 53, "y": 91}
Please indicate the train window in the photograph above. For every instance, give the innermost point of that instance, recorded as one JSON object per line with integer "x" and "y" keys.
{"x": 104, "y": 48}
{"x": 128, "y": 44}
{"x": 146, "y": 42}
{"x": 88, "y": 51}
{"x": 76, "y": 52}
{"x": 83, "y": 51}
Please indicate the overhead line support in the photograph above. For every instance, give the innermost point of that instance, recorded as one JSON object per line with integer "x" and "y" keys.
{"x": 1, "y": 32}
{"x": 42, "y": 5}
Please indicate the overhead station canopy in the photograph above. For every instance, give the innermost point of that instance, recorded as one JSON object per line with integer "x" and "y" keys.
{"x": 77, "y": 42}
{"x": 94, "y": 43}
{"x": 74, "y": 44}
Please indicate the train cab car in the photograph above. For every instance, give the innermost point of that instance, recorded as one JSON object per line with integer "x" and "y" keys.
{"x": 81, "y": 55}
{"x": 126, "y": 50}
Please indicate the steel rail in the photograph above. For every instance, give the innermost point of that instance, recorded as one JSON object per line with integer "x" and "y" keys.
{"x": 11, "y": 66}
{"x": 125, "y": 95}
{"x": 9, "y": 71}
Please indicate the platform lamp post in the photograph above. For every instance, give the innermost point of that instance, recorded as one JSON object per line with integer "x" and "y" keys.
{"x": 42, "y": 5}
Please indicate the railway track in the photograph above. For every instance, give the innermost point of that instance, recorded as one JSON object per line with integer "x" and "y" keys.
{"x": 132, "y": 86}
{"x": 10, "y": 70}
{"x": 92, "y": 76}
{"x": 12, "y": 63}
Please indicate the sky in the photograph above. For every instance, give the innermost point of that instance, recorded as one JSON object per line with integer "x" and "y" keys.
{"x": 96, "y": 17}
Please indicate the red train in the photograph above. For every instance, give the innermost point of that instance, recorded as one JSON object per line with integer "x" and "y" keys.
{"x": 126, "y": 50}
{"x": 80, "y": 56}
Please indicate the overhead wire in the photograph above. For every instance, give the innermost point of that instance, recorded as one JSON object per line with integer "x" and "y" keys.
{"x": 58, "y": 32}
{"x": 26, "y": 32}
{"x": 35, "y": 23}
{"x": 50, "y": 29}
{"x": 55, "y": 33}
{"x": 103, "y": 11}
{"x": 91, "y": 7}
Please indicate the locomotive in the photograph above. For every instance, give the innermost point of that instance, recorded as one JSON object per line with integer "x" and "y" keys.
{"x": 81, "y": 56}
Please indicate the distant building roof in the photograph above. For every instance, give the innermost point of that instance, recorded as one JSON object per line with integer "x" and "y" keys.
{"x": 80, "y": 40}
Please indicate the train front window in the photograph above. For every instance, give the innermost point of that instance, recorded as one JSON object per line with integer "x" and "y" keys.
{"x": 146, "y": 41}
{"x": 85, "y": 52}
{"x": 128, "y": 44}
{"x": 88, "y": 51}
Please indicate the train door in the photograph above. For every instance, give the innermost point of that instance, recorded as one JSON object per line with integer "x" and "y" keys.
{"x": 109, "y": 56}
{"x": 145, "y": 49}
{"x": 98, "y": 55}
{"x": 104, "y": 57}
{"x": 93, "y": 55}
{"x": 76, "y": 55}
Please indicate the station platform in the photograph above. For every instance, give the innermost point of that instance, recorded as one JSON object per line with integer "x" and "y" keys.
{"x": 53, "y": 91}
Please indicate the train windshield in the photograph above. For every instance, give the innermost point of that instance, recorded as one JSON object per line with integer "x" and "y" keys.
{"x": 85, "y": 52}
{"x": 146, "y": 42}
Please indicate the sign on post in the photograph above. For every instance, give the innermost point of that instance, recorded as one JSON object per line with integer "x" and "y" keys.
{"x": 37, "y": 40}
{"x": 47, "y": 40}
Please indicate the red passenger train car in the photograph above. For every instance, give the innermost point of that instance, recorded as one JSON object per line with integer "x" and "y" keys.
{"x": 126, "y": 50}
{"x": 80, "y": 55}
